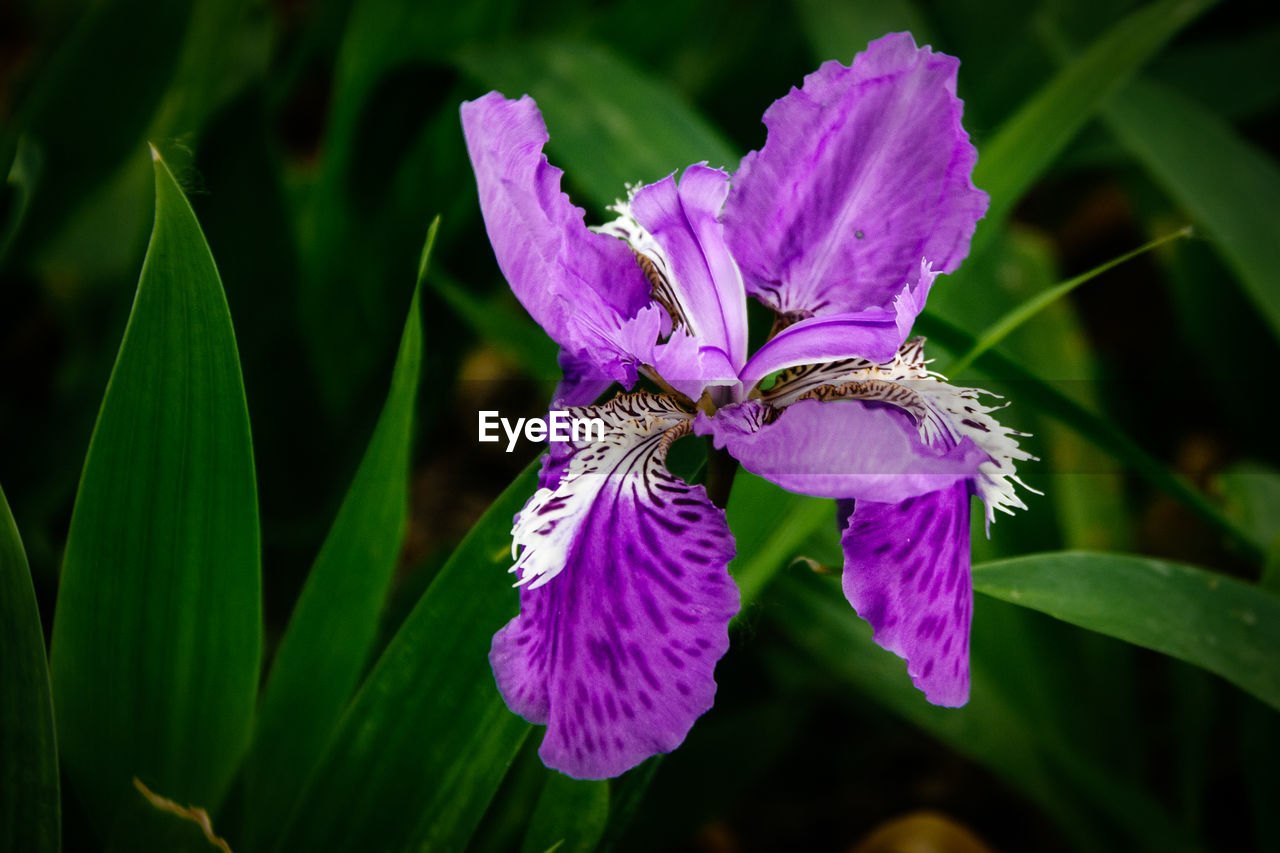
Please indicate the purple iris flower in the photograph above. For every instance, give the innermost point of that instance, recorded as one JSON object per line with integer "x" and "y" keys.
{"x": 860, "y": 197}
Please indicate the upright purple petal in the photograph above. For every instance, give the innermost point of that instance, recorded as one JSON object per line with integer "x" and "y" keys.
{"x": 864, "y": 174}
{"x": 675, "y": 230}
{"x": 684, "y": 220}
{"x": 839, "y": 449}
{"x": 584, "y": 288}
{"x": 625, "y": 600}
{"x": 906, "y": 571}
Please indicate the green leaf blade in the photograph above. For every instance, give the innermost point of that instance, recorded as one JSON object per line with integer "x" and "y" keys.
{"x": 335, "y": 623}
{"x": 1034, "y": 391}
{"x": 1206, "y": 619}
{"x": 1224, "y": 182}
{"x": 428, "y": 735}
{"x": 765, "y": 549}
{"x": 1003, "y": 726}
{"x": 30, "y": 816}
{"x": 157, "y": 633}
{"x": 1029, "y": 141}
{"x": 570, "y": 817}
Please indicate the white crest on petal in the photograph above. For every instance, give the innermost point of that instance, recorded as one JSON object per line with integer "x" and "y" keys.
{"x": 638, "y": 430}
{"x": 652, "y": 259}
{"x": 945, "y": 414}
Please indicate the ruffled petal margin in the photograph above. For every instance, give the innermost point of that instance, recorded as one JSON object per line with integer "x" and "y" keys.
{"x": 585, "y": 289}
{"x": 625, "y": 600}
{"x": 865, "y": 172}
{"x": 839, "y": 449}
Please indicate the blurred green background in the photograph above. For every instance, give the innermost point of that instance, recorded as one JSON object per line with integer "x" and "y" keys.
{"x": 316, "y": 142}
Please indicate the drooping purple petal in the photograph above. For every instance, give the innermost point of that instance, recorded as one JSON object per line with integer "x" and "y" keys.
{"x": 839, "y": 449}
{"x": 865, "y": 172}
{"x": 583, "y": 288}
{"x": 625, "y": 599}
{"x": 945, "y": 415}
{"x": 906, "y": 571}
{"x": 873, "y": 335}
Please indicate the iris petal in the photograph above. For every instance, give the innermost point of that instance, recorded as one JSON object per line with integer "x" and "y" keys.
{"x": 871, "y": 335}
{"x": 628, "y": 603}
{"x": 584, "y": 289}
{"x": 906, "y": 572}
{"x": 839, "y": 449}
{"x": 865, "y": 171}
{"x": 675, "y": 228}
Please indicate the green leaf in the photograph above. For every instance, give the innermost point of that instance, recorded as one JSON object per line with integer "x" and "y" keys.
{"x": 335, "y": 622}
{"x": 1091, "y": 511}
{"x": 610, "y": 124}
{"x": 570, "y": 817}
{"x": 1203, "y": 618}
{"x": 393, "y": 157}
{"x": 764, "y": 548}
{"x": 158, "y": 630}
{"x": 29, "y": 806}
{"x": 1002, "y": 726}
{"x": 1101, "y": 432}
{"x": 427, "y": 739}
{"x": 1224, "y": 182}
{"x": 1252, "y": 494}
{"x": 1028, "y": 142}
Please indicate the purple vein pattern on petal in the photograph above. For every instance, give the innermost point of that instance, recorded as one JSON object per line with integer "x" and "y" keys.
{"x": 865, "y": 172}
{"x": 583, "y": 288}
{"x": 906, "y": 571}
{"x": 616, "y": 643}
{"x": 839, "y": 449}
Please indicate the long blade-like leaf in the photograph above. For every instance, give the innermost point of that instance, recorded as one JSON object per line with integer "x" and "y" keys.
{"x": 1027, "y": 143}
{"x": 29, "y": 806}
{"x": 764, "y": 549}
{"x": 1201, "y": 617}
{"x": 1034, "y": 391}
{"x": 998, "y": 727}
{"x": 158, "y": 630}
{"x": 1225, "y": 183}
{"x": 427, "y": 739}
{"x": 336, "y": 619}
{"x": 570, "y": 817}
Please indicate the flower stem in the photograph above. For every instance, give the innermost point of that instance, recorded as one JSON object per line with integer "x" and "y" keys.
{"x": 720, "y": 470}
